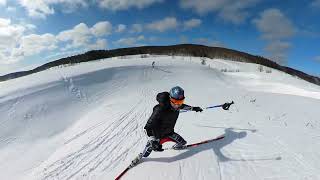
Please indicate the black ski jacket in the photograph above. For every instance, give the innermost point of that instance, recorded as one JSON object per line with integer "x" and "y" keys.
{"x": 163, "y": 119}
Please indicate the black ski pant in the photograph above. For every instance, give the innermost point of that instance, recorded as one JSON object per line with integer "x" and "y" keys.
{"x": 175, "y": 137}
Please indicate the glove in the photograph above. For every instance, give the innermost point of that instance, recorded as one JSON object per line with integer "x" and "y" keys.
{"x": 156, "y": 146}
{"x": 226, "y": 106}
{"x": 197, "y": 109}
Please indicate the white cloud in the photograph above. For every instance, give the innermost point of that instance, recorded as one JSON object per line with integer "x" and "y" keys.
{"x": 69, "y": 6}
{"x": 278, "y": 51}
{"x": 229, "y": 10}
{"x": 10, "y": 34}
{"x": 165, "y": 24}
{"x": 192, "y": 23}
{"x": 31, "y": 26}
{"x": 121, "y": 28}
{"x": 202, "y": 6}
{"x": 11, "y": 9}
{"x": 99, "y": 44}
{"x": 3, "y": 2}
{"x": 17, "y": 67}
{"x": 102, "y": 28}
{"x": 16, "y": 44}
{"x": 35, "y": 44}
{"x": 140, "y": 38}
{"x": 42, "y": 8}
{"x": 315, "y": 4}
{"x": 37, "y": 8}
{"x": 274, "y": 25}
{"x": 9, "y": 68}
{"x": 4, "y": 22}
{"x": 136, "y": 28}
{"x": 132, "y": 41}
{"x": 126, "y": 4}
{"x": 62, "y": 54}
{"x": 276, "y": 28}
{"x": 80, "y": 35}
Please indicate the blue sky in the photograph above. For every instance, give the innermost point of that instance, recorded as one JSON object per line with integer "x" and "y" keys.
{"x": 33, "y": 32}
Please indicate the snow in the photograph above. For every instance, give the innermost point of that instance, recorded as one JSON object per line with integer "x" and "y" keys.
{"x": 86, "y": 122}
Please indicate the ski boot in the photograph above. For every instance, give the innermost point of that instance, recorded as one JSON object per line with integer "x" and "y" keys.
{"x": 136, "y": 160}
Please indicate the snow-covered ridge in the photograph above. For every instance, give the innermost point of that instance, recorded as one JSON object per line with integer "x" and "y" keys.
{"x": 86, "y": 121}
{"x": 187, "y": 50}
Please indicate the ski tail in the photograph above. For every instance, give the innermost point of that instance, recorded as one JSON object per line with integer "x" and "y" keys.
{"x": 133, "y": 163}
{"x": 122, "y": 173}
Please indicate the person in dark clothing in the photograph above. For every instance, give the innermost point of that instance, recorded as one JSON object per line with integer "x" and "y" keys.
{"x": 161, "y": 123}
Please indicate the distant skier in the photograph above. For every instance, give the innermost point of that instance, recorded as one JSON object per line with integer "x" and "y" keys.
{"x": 163, "y": 119}
{"x": 153, "y": 64}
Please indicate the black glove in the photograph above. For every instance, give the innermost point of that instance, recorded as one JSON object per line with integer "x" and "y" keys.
{"x": 156, "y": 146}
{"x": 197, "y": 109}
{"x": 226, "y": 106}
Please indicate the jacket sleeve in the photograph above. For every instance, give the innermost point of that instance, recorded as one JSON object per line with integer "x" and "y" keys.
{"x": 186, "y": 107}
{"x": 153, "y": 122}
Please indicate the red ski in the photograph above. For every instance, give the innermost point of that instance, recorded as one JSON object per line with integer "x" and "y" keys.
{"x": 139, "y": 157}
{"x": 196, "y": 144}
{"x": 133, "y": 163}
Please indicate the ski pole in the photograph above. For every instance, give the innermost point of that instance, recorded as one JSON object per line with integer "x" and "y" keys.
{"x": 224, "y": 106}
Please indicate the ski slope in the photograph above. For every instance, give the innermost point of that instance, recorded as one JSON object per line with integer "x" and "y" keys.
{"x": 86, "y": 122}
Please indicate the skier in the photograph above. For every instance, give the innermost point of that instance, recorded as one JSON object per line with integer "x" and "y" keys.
{"x": 153, "y": 63}
{"x": 161, "y": 123}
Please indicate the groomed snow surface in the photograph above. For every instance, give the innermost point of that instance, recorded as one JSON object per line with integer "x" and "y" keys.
{"x": 86, "y": 122}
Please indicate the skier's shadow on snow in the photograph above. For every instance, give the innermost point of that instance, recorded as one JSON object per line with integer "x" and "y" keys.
{"x": 159, "y": 69}
{"x": 216, "y": 146}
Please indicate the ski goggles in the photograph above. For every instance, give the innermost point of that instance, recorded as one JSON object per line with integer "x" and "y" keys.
{"x": 176, "y": 102}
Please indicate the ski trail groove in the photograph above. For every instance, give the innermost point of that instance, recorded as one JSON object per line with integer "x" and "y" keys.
{"x": 82, "y": 158}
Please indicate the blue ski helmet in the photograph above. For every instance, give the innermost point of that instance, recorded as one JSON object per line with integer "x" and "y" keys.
{"x": 177, "y": 93}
